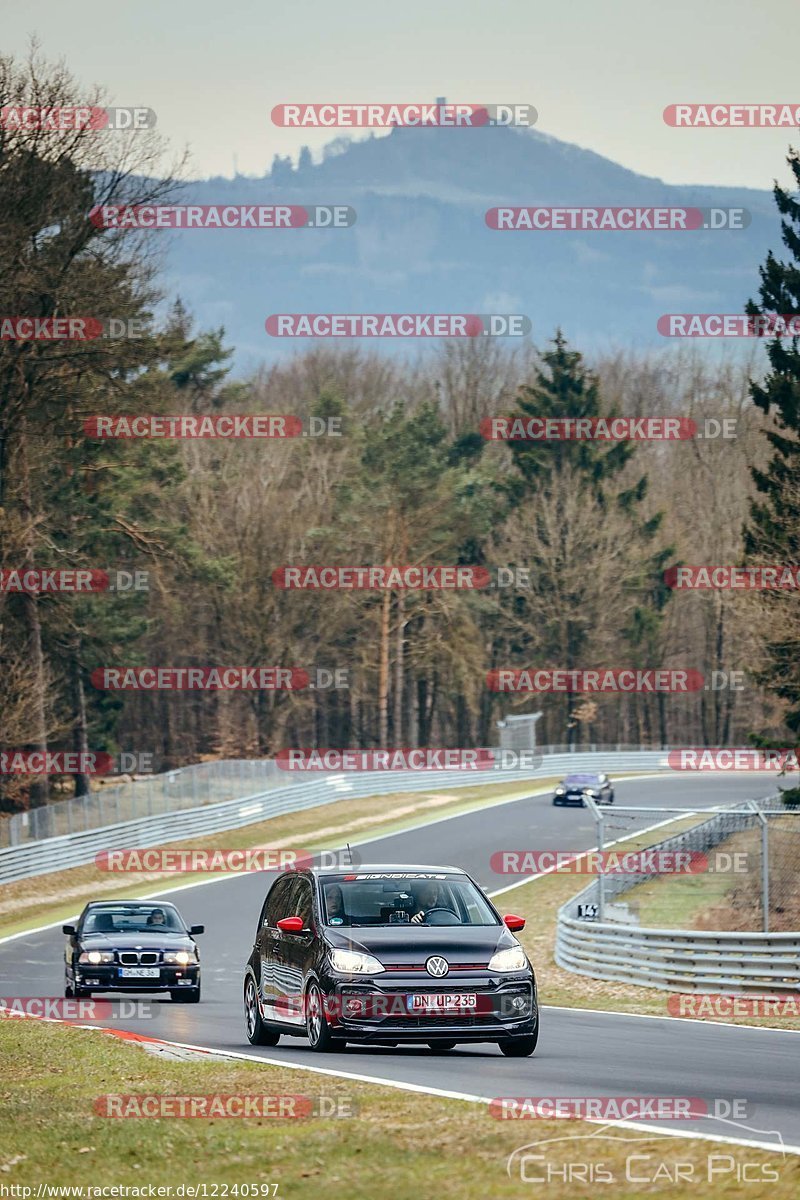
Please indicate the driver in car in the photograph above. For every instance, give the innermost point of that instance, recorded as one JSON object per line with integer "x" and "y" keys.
{"x": 157, "y": 917}
{"x": 334, "y": 901}
{"x": 428, "y": 897}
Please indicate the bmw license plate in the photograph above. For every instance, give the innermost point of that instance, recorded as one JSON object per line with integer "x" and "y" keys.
{"x": 139, "y": 972}
{"x": 434, "y": 1002}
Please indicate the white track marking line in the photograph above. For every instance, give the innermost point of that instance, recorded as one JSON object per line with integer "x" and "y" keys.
{"x": 611, "y": 1012}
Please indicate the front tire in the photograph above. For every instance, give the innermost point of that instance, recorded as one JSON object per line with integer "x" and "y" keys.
{"x": 318, "y": 1032}
{"x": 520, "y": 1047}
{"x": 258, "y": 1034}
{"x": 441, "y": 1045}
{"x": 186, "y": 996}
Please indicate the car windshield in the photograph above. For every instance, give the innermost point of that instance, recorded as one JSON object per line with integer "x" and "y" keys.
{"x": 138, "y": 918}
{"x": 582, "y": 780}
{"x": 403, "y": 899}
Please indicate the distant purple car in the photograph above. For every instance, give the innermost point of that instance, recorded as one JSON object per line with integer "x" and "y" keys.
{"x": 573, "y": 788}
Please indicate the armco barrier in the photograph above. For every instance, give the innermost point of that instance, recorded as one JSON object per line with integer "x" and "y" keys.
{"x": 76, "y": 849}
{"x": 679, "y": 960}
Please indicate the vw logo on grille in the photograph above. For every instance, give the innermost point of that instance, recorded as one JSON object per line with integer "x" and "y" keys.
{"x": 437, "y": 966}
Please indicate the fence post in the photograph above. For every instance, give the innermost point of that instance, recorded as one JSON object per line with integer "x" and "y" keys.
{"x": 764, "y": 864}
{"x": 598, "y": 821}
{"x": 765, "y": 870}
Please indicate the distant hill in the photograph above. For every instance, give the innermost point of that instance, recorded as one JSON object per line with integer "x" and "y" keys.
{"x": 420, "y": 242}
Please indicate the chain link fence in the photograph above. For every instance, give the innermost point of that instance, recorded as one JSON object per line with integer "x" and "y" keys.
{"x": 188, "y": 787}
{"x": 738, "y": 870}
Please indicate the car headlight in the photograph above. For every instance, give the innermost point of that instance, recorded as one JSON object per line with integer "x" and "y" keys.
{"x": 354, "y": 963}
{"x": 512, "y": 959}
{"x": 97, "y": 956}
{"x": 560, "y": 791}
{"x": 591, "y": 792}
{"x": 181, "y": 957}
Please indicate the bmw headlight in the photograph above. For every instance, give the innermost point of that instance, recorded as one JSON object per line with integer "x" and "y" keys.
{"x": 179, "y": 957}
{"x": 96, "y": 956}
{"x": 560, "y": 791}
{"x": 352, "y": 962}
{"x": 593, "y": 792}
{"x": 512, "y": 959}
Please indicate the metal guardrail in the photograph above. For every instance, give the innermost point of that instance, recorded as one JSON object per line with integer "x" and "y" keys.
{"x": 74, "y": 849}
{"x": 194, "y": 786}
{"x": 679, "y": 959}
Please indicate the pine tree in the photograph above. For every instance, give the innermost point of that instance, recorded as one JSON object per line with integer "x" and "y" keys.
{"x": 773, "y": 533}
{"x": 550, "y": 474}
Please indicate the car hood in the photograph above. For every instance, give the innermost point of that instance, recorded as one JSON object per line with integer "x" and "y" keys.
{"x": 137, "y": 941}
{"x": 410, "y": 945}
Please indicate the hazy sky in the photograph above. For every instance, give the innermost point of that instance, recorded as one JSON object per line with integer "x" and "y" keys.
{"x": 599, "y": 73}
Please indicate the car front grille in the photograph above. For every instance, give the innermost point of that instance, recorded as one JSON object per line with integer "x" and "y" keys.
{"x": 139, "y": 958}
{"x": 404, "y": 968}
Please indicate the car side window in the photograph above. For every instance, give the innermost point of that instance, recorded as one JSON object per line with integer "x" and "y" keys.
{"x": 302, "y": 902}
{"x": 276, "y": 906}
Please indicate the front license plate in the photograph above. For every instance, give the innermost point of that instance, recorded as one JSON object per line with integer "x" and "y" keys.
{"x": 139, "y": 972}
{"x": 432, "y": 1002}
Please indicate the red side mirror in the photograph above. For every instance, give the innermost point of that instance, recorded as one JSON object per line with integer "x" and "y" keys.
{"x": 292, "y": 924}
{"x": 514, "y": 923}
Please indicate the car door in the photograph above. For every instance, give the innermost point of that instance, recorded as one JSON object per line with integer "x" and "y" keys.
{"x": 268, "y": 946}
{"x": 296, "y": 950}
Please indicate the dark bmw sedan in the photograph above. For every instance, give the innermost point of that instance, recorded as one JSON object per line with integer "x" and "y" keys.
{"x": 388, "y": 955}
{"x": 573, "y": 789}
{"x": 132, "y": 946}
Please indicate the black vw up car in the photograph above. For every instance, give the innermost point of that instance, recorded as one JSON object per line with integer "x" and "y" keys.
{"x": 388, "y": 955}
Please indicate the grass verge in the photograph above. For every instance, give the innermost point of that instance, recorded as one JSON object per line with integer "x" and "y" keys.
{"x": 399, "y": 1144}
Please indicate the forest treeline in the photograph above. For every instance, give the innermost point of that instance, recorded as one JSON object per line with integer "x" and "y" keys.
{"x": 406, "y": 478}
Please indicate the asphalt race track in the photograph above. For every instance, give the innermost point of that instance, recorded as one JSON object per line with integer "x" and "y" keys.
{"x": 579, "y": 1053}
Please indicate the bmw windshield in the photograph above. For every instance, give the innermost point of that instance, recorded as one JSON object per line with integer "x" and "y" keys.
{"x": 419, "y": 899}
{"x": 138, "y": 918}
